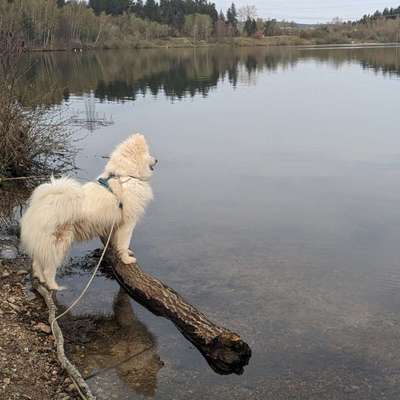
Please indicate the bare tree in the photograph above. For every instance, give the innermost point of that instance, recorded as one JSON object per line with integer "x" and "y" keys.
{"x": 247, "y": 12}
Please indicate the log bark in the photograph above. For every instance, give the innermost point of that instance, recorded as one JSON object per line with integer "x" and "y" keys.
{"x": 223, "y": 349}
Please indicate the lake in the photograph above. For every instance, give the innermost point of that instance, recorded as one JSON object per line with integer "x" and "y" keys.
{"x": 276, "y": 212}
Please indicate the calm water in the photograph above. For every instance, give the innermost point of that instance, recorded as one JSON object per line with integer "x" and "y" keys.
{"x": 276, "y": 212}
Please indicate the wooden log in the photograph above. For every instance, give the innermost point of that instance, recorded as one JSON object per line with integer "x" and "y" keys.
{"x": 223, "y": 349}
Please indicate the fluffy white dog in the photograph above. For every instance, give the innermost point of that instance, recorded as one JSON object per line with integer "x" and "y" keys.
{"x": 63, "y": 210}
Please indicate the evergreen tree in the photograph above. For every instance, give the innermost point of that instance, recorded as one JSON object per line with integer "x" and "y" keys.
{"x": 113, "y": 7}
{"x": 151, "y": 10}
{"x": 231, "y": 17}
{"x": 250, "y": 26}
{"x": 253, "y": 27}
{"x": 138, "y": 8}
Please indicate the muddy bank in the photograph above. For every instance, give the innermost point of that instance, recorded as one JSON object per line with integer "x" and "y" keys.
{"x": 28, "y": 362}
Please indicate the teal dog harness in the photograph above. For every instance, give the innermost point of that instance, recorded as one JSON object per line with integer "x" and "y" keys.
{"x": 104, "y": 182}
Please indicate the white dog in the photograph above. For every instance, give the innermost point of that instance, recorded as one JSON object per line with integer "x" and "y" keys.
{"x": 63, "y": 210}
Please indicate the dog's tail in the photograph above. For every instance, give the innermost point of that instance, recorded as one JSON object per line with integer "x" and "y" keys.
{"x": 51, "y": 206}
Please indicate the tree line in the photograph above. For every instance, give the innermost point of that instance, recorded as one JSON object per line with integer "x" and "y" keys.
{"x": 387, "y": 13}
{"x": 174, "y": 13}
{"x": 58, "y": 24}
{"x": 113, "y": 23}
{"x": 179, "y": 14}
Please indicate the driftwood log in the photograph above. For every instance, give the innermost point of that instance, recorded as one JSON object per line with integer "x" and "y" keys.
{"x": 224, "y": 350}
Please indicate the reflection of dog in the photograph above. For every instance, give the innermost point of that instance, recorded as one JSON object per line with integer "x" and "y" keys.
{"x": 62, "y": 211}
{"x": 118, "y": 351}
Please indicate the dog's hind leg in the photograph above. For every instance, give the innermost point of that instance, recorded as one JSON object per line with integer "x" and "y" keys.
{"x": 61, "y": 248}
{"x": 37, "y": 271}
{"x": 50, "y": 278}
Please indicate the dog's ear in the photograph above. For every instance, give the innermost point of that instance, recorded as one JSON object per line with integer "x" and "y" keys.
{"x": 139, "y": 141}
{"x": 138, "y": 138}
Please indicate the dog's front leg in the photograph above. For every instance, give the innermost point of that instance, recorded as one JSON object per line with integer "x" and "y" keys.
{"x": 121, "y": 240}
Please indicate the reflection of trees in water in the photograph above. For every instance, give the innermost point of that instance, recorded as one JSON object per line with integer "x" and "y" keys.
{"x": 90, "y": 119}
{"x": 178, "y": 73}
{"x": 125, "y": 75}
{"x": 116, "y": 347}
{"x": 380, "y": 60}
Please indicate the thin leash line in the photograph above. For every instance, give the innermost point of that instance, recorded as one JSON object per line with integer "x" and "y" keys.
{"x": 78, "y": 299}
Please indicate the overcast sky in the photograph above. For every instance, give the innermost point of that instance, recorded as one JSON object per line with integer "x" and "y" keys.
{"x": 311, "y": 11}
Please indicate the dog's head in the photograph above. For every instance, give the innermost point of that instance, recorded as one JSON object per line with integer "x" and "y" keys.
{"x": 132, "y": 158}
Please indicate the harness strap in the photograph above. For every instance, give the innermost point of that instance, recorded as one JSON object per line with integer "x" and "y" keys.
{"x": 104, "y": 182}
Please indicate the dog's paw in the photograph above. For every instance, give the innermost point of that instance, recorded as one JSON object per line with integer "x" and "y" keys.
{"x": 56, "y": 287}
{"x": 39, "y": 277}
{"x": 130, "y": 252}
{"x": 128, "y": 259}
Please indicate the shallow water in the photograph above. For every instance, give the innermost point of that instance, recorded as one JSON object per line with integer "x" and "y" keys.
{"x": 276, "y": 212}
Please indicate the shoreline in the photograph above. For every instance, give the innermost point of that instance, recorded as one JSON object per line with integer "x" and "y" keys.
{"x": 185, "y": 43}
{"x": 29, "y": 367}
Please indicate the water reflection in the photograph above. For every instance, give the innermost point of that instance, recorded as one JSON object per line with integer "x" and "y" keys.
{"x": 181, "y": 73}
{"x": 116, "y": 353}
{"x": 89, "y": 118}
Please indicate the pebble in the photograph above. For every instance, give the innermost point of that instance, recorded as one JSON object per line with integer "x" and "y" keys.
{"x": 15, "y": 307}
{"x": 7, "y": 238}
{"x": 8, "y": 252}
{"x": 63, "y": 396}
{"x": 30, "y": 295}
{"x": 42, "y": 328}
{"x": 5, "y": 274}
{"x": 71, "y": 387}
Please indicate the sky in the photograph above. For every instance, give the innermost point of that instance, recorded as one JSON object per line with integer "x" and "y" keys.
{"x": 312, "y": 11}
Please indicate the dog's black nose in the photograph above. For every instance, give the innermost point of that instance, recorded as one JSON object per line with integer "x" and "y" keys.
{"x": 155, "y": 161}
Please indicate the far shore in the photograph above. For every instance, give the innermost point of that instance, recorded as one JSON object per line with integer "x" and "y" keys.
{"x": 176, "y": 43}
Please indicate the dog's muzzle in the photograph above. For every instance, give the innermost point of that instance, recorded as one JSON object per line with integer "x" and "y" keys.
{"x": 152, "y": 166}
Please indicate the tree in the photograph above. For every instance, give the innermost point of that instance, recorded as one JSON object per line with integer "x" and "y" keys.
{"x": 250, "y": 27}
{"x": 113, "y": 7}
{"x": 247, "y": 12}
{"x": 199, "y": 26}
{"x": 138, "y": 8}
{"x": 271, "y": 27}
{"x": 151, "y": 10}
{"x": 231, "y": 16}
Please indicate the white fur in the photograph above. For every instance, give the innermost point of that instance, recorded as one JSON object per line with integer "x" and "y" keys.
{"x": 63, "y": 210}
